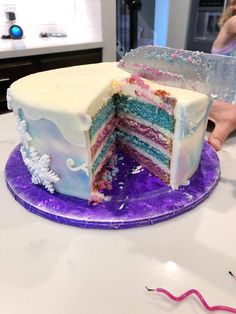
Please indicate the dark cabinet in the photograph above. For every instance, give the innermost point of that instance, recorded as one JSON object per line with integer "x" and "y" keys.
{"x": 11, "y": 70}
{"x": 69, "y": 59}
{"x": 14, "y": 68}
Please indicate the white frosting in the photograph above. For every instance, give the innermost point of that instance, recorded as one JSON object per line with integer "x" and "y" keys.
{"x": 188, "y": 139}
{"x": 67, "y": 96}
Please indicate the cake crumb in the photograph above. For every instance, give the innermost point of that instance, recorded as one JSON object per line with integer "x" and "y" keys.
{"x": 137, "y": 169}
{"x": 121, "y": 206}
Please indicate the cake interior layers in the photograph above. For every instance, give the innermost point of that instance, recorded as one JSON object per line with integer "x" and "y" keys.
{"x": 146, "y": 137}
{"x": 102, "y": 136}
{"x": 144, "y": 131}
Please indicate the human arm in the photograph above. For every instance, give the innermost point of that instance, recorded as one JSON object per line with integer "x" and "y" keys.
{"x": 231, "y": 25}
{"x": 224, "y": 116}
{"x": 226, "y": 36}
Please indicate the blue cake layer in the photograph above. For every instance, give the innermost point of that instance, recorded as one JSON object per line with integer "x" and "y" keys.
{"x": 103, "y": 152}
{"x": 145, "y": 147}
{"x": 101, "y": 117}
{"x": 146, "y": 111}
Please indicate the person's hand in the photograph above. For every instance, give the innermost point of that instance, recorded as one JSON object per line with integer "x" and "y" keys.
{"x": 224, "y": 116}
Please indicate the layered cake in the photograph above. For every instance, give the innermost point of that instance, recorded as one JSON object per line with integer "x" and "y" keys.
{"x": 71, "y": 122}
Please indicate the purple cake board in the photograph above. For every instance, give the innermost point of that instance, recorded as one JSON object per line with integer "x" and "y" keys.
{"x": 137, "y": 199}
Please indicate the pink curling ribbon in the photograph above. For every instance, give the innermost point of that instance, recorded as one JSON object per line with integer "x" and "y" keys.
{"x": 200, "y": 297}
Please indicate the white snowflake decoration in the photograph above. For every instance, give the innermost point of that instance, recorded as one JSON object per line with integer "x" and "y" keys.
{"x": 25, "y": 137}
{"x": 9, "y": 105}
{"x": 39, "y": 168}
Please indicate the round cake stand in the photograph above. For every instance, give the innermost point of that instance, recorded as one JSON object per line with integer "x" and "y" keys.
{"x": 137, "y": 198}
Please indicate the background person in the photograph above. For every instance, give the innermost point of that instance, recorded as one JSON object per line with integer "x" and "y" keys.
{"x": 224, "y": 114}
{"x": 225, "y": 42}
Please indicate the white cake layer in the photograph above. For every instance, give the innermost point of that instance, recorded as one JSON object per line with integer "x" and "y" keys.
{"x": 186, "y": 97}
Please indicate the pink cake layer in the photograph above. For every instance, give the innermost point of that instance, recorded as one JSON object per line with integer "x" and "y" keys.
{"x": 104, "y": 133}
{"x": 144, "y": 161}
{"x": 147, "y": 132}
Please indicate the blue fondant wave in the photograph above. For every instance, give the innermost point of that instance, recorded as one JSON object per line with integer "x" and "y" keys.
{"x": 48, "y": 139}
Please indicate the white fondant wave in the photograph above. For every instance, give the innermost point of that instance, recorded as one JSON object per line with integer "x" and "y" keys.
{"x": 71, "y": 166}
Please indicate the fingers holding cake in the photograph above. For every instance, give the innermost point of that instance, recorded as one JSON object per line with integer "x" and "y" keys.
{"x": 224, "y": 117}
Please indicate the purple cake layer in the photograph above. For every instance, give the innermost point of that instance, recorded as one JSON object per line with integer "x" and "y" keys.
{"x": 146, "y": 131}
{"x": 137, "y": 198}
{"x": 143, "y": 160}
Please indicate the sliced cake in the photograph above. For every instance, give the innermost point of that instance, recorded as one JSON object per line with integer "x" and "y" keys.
{"x": 72, "y": 120}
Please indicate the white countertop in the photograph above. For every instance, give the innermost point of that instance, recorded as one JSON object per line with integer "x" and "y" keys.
{"x": 51, "y": 268}
{"x": 10, "y": 48}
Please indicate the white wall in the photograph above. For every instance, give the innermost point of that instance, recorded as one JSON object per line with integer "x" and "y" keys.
{"x": 82, "y": 20}
{"x": 171, "y": 23}
{"x": 79, "y": 17}
{"x": 161, "y": 22}
{"x": 109, "y": 29}
{"x": 178, "y": 23}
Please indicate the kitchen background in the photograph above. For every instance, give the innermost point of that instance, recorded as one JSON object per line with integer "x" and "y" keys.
{"x": 190, "y": 24}
{"x": 89, "y": 31}
{"x": 70, "y": 16}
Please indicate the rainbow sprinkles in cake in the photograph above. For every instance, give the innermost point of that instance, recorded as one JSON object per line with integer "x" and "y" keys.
{"x": 73, "y": 120}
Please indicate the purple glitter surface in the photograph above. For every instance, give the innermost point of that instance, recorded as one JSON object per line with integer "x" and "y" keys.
{"x": 137, "y": 199}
